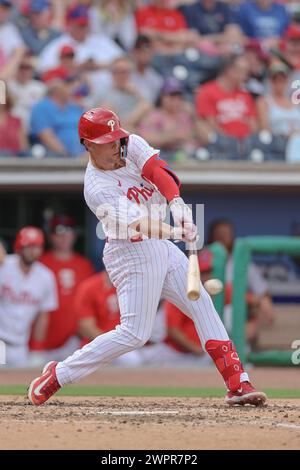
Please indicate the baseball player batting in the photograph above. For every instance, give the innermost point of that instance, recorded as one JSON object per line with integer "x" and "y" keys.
{"x": 127, "y": 186}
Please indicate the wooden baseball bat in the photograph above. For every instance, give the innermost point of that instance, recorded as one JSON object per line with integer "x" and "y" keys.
{"x": 193, "y": 278}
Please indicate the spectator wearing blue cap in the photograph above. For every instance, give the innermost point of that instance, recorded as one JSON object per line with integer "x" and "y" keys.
{"x": 10, "y": 39}
{"x": 37, "y": 33}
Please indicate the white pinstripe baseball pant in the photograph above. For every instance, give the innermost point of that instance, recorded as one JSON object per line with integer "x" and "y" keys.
{"x": 143, "y": 273}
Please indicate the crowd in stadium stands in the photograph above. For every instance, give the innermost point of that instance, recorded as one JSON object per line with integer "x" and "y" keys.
{"x": 200, "y": 79}
{"x": 52, "y": 302}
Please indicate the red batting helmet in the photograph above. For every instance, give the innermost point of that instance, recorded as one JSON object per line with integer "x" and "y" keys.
{"x": 100, "y": 126}
{"x": 29, "y": 236}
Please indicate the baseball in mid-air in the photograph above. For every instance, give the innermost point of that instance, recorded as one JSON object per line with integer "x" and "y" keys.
{"x": 213, "y": 286}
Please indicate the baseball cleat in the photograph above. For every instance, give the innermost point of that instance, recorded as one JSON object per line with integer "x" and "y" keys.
{"x": 246, "y": 395}
{"x": 43, "y": 387}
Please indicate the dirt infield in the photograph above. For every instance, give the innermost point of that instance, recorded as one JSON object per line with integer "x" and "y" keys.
{"x": 151, "y": 423}
{"x": 147, "y": 423}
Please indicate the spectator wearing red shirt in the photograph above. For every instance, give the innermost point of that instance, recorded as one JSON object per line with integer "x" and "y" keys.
{"x": 223, "y": 102}
{"x": 13, "y": 140}
{"x": 69, "y": 269}
{"x": 97, "y": 312}
{"x": 164, "y": 25}
{"x": 225, "y": 109}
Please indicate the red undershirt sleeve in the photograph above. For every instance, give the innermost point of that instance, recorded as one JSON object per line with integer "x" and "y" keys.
{"x": 158, "y": 172}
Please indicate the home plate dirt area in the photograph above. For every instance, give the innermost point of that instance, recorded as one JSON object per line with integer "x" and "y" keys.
{"x": 150, "y": 422}
{"x": 147, "y": 423}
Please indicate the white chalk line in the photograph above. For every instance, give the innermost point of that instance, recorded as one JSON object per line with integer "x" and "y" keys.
{"x": 204, "y": 422}
{"x": 141, "y": 412}
{"x": 288, "y": 425}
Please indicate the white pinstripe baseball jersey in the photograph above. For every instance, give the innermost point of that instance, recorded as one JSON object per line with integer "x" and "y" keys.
{"x": 23, "y": 297}
{"x": 123, "y": 193}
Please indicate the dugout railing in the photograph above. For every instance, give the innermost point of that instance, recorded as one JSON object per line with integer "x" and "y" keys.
{"x": 243, "y": 249}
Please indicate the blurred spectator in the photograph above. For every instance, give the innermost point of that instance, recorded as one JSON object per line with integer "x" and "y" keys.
{"x": 257, "y": 59}
{"x": 27, "y": 294}
{"x": 115, "y": 19}
{"x": 93, "y": 51}
{"x": 170, "y": 127}
{"x": 159, "y": 16}
{"x": 25, "y": 90}
{"x": 67, "y": 66}
{"x": 13, "y": 139}
{"x": 222, "y": 231}
{"x": 215, "y": 26}
{"x": 8, "y": 68}
{"x": 123, "y": 97}
{"x": 73, "y": 74}
{"x": 37, "y": 33}
{"x": 234, "y": 5}
{"x": 265, "y": 20}
{"x": 290, "y": 47}
{"x": 97, "y": 310}
{"x": 144, "y": 77}
{"x": 54, "y": 121}
{"x": 211, "y": 18}
{"x": 277, "y": 113}
{"x": 69, "y": 269}
{"x": 224, "y": 108}
{"x": 164, "y": 25}
{"x": 10, "y": 39}
{"x": 80, "y": 89}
